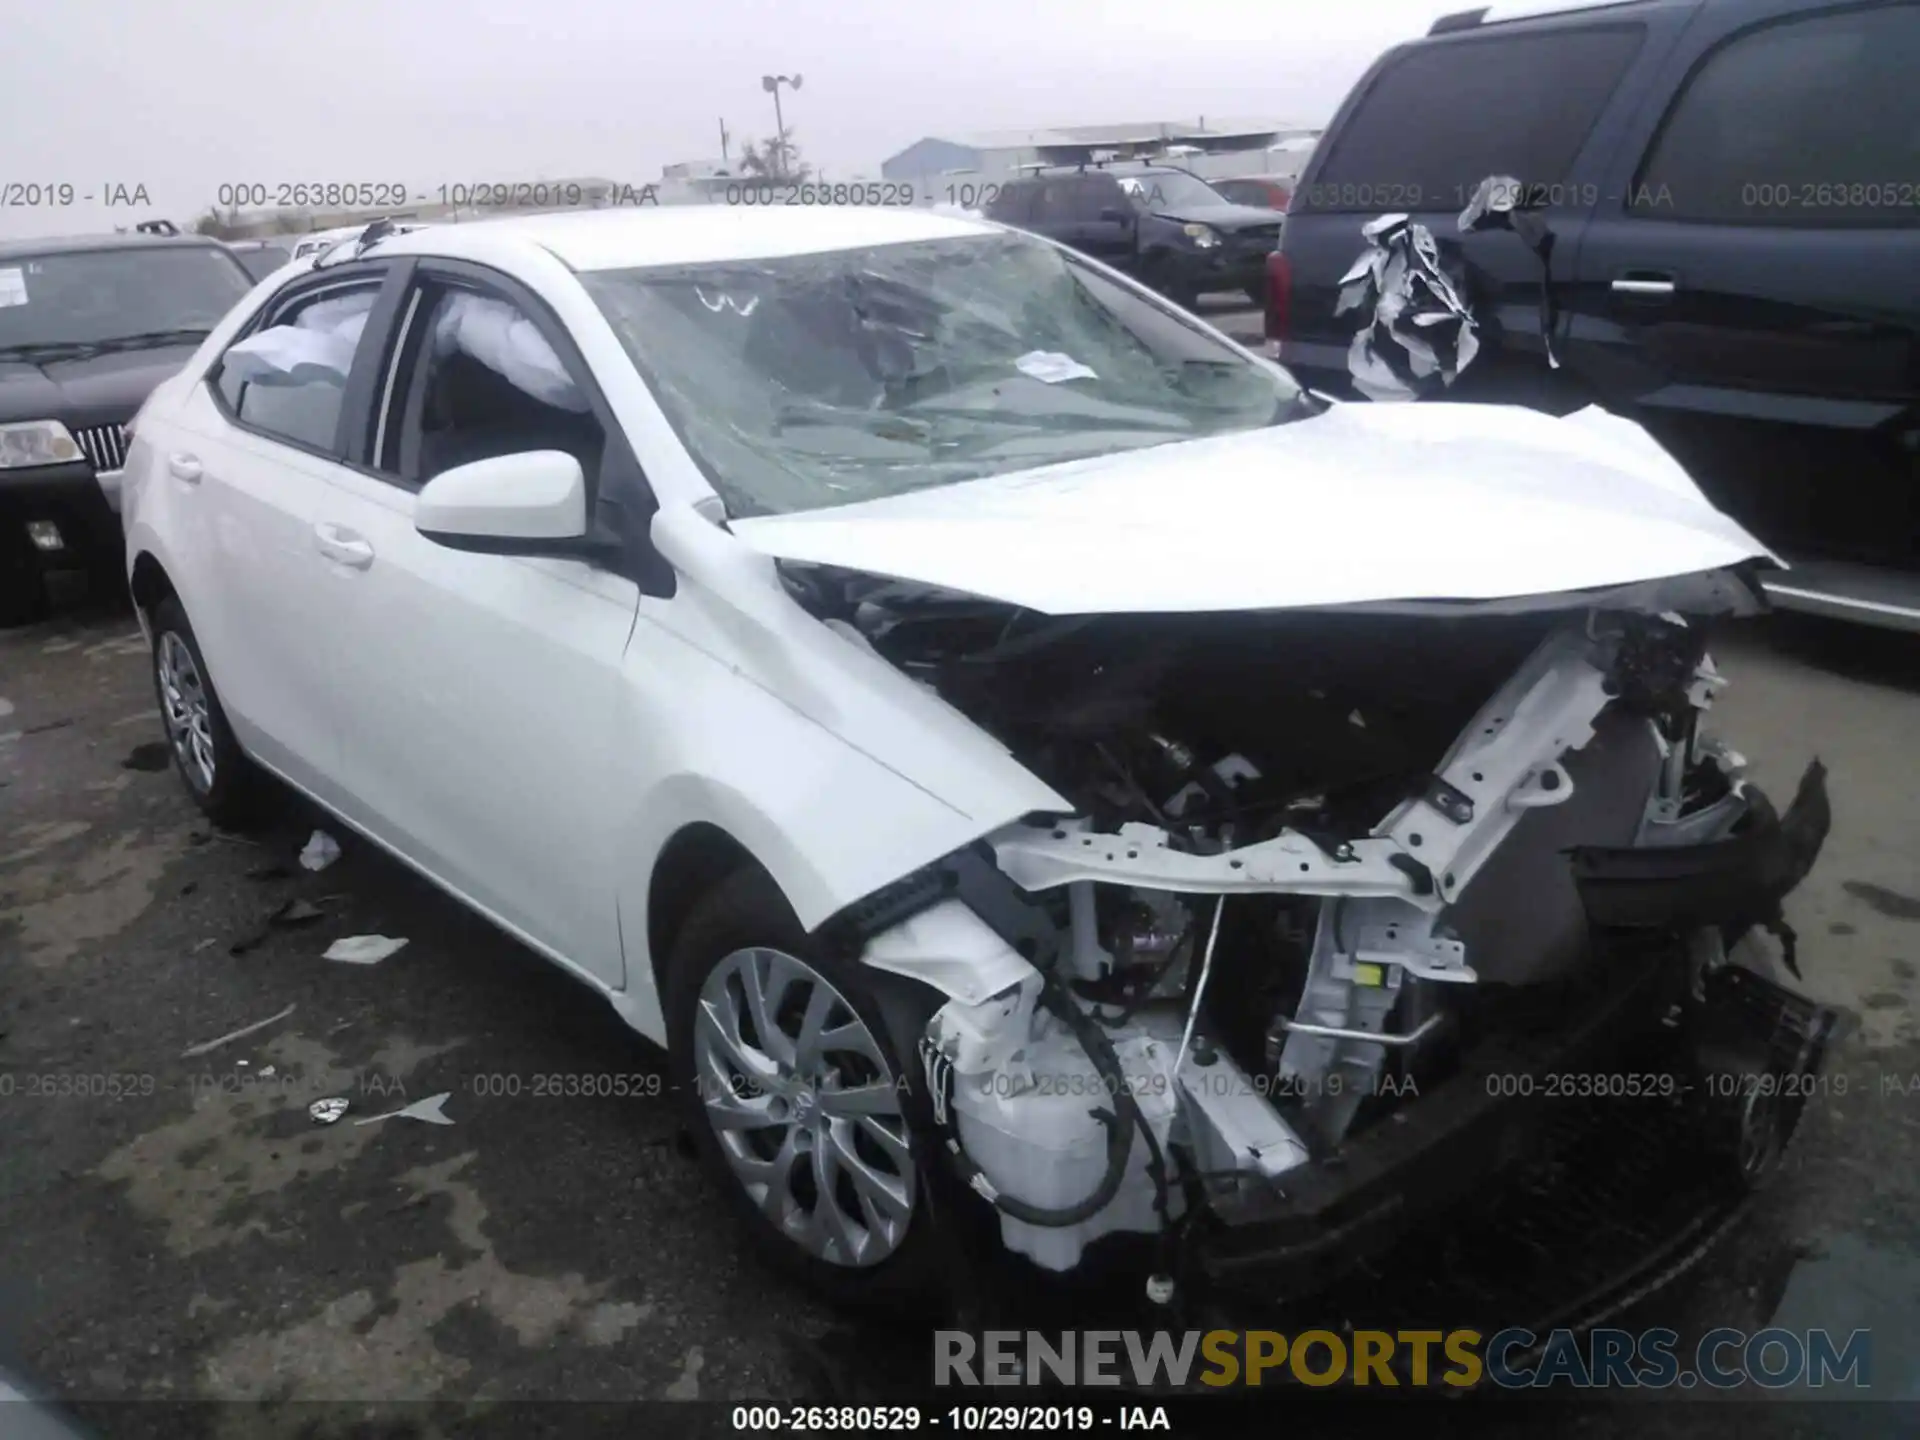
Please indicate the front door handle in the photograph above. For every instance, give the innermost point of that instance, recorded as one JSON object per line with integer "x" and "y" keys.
{"x": 343, "y": 546}
{"x": 1644, "y": 284}
{"x": 184, "y": 468}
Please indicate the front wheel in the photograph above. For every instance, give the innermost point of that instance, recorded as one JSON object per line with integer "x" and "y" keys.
{"x": 800, "y": 1108}
{"x": 223, "y": 782}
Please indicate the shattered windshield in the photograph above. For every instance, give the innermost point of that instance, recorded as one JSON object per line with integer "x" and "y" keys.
{"x": 815, "y": 380}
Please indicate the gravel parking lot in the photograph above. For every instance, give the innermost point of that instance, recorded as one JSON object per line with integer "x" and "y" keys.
{"x": 179, "y": 1228}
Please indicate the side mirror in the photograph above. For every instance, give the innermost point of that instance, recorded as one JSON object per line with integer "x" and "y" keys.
{"x": 1117, "y": 215}
{"x": 532, "y": 503}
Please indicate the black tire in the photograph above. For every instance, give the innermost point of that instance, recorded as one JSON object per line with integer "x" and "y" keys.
{"x": 747, "y": 910}
{"x": 232, "y": 797}
{"x": 23, "y": 586}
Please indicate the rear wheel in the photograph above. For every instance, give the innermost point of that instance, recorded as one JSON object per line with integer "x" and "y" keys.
{"x": 800, "y": 1107}
{"x": 223, "y": 782}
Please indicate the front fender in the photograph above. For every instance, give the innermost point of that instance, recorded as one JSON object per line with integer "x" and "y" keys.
{"x": 829, "y": 822}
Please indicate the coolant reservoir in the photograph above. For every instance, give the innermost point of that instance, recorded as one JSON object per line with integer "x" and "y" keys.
{"x": 1039, "y": 1142}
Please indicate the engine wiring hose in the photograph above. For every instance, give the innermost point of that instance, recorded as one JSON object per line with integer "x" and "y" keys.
{"x": 1121, "y": 1123}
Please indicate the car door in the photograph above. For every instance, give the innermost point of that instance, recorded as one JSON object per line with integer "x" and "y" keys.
{"x": 1759, "y": 257}
{"x": 1067, "y": 208}
{"x": 250, "y": 454}
{"x": 1538, "y": 100}
{"x": 485, "y": 689}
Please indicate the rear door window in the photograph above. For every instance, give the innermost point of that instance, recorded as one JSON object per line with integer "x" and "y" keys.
{"x": 1096, "y": 193}
{"x": 287, "y": 379}
{"x": 1012, "y": 204}
{"x": 1811, "y": 122}
{"x": 1443, "y": 117}
{"x": 1063, "y": 202}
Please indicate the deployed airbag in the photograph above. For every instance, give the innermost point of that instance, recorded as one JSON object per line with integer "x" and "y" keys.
{"x": 318, "y": 345}
{"x": 506, "y": 342}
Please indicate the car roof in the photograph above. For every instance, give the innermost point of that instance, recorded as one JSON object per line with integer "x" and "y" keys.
{"x": 631, "y": 237}
{"x": 1492, "y": 15}
{"x": 76, "y": 244}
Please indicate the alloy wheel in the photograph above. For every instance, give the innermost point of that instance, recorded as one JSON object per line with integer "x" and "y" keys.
{"x": 188, "y": 711}
{"x": 805, "y": 1106}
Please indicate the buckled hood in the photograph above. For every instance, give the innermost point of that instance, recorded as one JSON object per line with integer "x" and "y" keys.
{"x": 1360, "y": 504}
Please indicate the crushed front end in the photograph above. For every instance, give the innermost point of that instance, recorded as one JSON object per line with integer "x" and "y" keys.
{"x": 1357, "y": 919}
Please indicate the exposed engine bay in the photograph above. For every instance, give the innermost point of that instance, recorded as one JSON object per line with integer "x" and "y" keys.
{"x": 1316, "y": 862}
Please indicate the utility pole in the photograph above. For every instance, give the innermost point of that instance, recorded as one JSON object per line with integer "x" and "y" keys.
{"x": 771, "y": 84}
{"x": 724, "y": 137}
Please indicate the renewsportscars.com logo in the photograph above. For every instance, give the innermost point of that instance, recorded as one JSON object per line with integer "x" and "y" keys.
{"x": 1725, "y": 1359}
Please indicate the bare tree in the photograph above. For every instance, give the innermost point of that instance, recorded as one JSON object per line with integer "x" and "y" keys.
{"x": 219, "y": 226}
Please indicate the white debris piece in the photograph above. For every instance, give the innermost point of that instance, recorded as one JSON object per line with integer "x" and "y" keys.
{"x": 320, "y": 852}
{"x": 325, "y": 1112}
{"x": 363, "y": 949}
{"x": 432, "y": 1110}
{"x": 1051, "y": 367}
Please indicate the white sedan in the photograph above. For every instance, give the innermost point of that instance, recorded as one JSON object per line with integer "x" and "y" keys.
{"x": 874, "y": 649}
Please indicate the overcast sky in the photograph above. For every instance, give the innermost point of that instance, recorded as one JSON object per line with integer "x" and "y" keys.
{"x": 182, "y": 97}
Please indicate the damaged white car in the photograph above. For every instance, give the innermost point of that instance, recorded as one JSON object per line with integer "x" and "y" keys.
{"x": 1039, "y": 772}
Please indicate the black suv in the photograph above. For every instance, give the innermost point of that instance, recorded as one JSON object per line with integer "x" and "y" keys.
{"x": 1164, "y": 226}
{"x": 88, "y": 326}
{"x": 1732, "y": 188}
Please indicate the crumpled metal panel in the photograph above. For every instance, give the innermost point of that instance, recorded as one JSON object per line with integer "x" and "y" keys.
{"x": 1422, "y": 331}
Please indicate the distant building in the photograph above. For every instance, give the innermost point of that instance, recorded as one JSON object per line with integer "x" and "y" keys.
{"x": 1004, "y": 152}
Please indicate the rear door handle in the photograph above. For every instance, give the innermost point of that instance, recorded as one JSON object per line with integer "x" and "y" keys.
{"x": 343, "y": 546}
{"x": 1647, "y": 284}
{"x": 184, "y": 468}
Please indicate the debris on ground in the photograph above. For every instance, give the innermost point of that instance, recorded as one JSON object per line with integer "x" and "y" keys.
{"x": 248, "y": 943}
{"x": 321, "y": 851}
{"x": 295, "y": 913}
{"x": 363, "y": 949}
{"x": 205, "y": 944}
{"x": 49, "y": 725}
{"x": 209, "y": 1045}
{"x": 152, "y": 756}
{"x": 325, "y": 1112}
{"x": 270, "y": 872}
{"x": 432, "y": 1110}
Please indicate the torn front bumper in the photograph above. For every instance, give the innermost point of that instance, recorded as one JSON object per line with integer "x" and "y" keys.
{"x": 1591, "y": 1152}
{"x": 1736, "y": 882}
